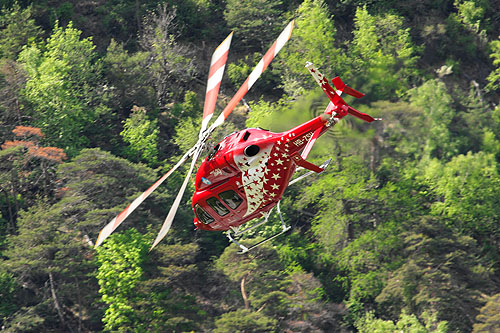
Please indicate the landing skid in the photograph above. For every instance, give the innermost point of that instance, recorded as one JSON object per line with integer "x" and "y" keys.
{"x": 235, "y": 232}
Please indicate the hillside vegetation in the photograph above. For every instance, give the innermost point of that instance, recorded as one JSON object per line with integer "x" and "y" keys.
{"x": 98, "y": 99}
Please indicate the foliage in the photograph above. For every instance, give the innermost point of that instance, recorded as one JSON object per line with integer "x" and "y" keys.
{"x": 440, "y": 275}
{"x": 128, "y": 78}
{"x": 24, "y": 164}
{"x": 382, "y": 55}
{"x": 313, "y": 40}
{"x": 438, "y": 115}
{"x": 52, "y": 260}
{"x": 472, "y": 14}
{"x": 488, "y": 318}
{"x": 406, "y": 323}
{"x": 494, "y": 77}
{"x": 167, "y": 59}
{"x": 400, "y": 233}
{"x": 251, "y": 21}
{"x": 244, "y": 320}
{"x": 119, "y": 272}
{"x": 62, "y": 88}
{"x": 142, "y": 136}
{"x": 18, "y": 28}
{"x": 8, "y": 290}
{"x": 466, "y": 185}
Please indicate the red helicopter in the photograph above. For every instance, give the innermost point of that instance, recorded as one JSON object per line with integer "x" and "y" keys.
{"x": 245, "y": 175}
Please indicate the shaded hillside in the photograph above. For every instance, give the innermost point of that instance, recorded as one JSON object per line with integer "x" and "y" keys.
{"x": 100, "y": 98}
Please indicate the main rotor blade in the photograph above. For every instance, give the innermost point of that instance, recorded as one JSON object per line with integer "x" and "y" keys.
{"x": 217, "y": 65}
{"x": 111, "y": 226}
{"x": 173, "y": 210}
{"x": 261, "y": 67}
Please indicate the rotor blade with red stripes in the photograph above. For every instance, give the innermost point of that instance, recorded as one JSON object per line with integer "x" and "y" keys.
{"x": 256, "y": 73}
{"x": 217, "y": 65}
{"x": 173, "y": 210}
{"x": 111, "y": 226}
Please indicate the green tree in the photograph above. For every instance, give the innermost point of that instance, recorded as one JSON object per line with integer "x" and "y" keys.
{"x": 441, "y": 275}
{"x": 437, "y": 117}
{"x": 244, "y": 320}
{"x": 52, "y": 252}
{"x": 142, "y": 136}
{"x": 488, "y": 319}
{"x": 168, "y": 60}
{"x": 494, "y": 77}
{"x": 120, "y": 259}
{"x": 17, "y": 28}
{"x": 53, "y": 262}
{"x": 294, "y": 296}
{"x": 466, "y": 186}
{"x": 170, "y": 295}
{"x": 260, "y": 275}
{"x": 313, "y": 40}
{"x": 472, "y": 14}
{"x": 8, "y": 289}
{"x": 128, "y": 78}
{"x": 408, "y": 323}
{"x": 64, "y": 89}
{"x": 382, "y": 54}
{"x": 27, "y": 171}
{"x": 254, "y": 22}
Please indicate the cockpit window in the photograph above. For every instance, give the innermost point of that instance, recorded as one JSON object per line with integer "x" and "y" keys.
{"x": 202, "y": 215}
{"x": 246, "y": 136}
{"x": 213, "y": 151}
{"x": 232, "y": 199}
{"x": 217, "y": 206}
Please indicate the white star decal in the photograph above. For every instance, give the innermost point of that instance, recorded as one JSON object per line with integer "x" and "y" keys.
{"x": 279, "y": 162}
{"x": 275, "y": 187}
{"x": 275, "y": 176}
{"x": 284, "y": 155}
{"x": 272, "y": 194}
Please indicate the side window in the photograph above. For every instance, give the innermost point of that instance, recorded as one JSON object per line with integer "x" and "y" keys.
{"x": 217, "y": 206}
{"x": 231, "y": 199}
{"x": 202, "y": 215}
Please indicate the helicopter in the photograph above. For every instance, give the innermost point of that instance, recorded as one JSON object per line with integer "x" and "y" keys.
{"x": 244, "y": 176}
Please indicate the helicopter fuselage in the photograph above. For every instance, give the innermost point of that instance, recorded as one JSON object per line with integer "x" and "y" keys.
{"x": 246, "y": 174}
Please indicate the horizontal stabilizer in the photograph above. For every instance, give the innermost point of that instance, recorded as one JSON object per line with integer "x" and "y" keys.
{"x": 305, "y": 164}
{"x": 340, "y": 85}
{"x": 363, "y": 116}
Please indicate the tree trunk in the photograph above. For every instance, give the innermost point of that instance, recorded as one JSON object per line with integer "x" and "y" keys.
{"x": 56, "y": 302}
{"x": 243, "y": 292}
{"x": 11, "y": 214}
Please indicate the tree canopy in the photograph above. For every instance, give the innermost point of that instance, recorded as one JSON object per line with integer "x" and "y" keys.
{"x": 400, "y": 234}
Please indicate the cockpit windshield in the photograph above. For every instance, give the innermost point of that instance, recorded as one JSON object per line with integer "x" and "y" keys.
{"x": 203, "y": 216}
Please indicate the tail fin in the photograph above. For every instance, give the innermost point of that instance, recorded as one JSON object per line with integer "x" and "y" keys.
{"x": 342, "y": 87}
{"x": 337, "y": 104}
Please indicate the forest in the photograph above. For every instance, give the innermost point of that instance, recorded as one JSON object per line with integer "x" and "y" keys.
{"x": 98, "y": 99}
